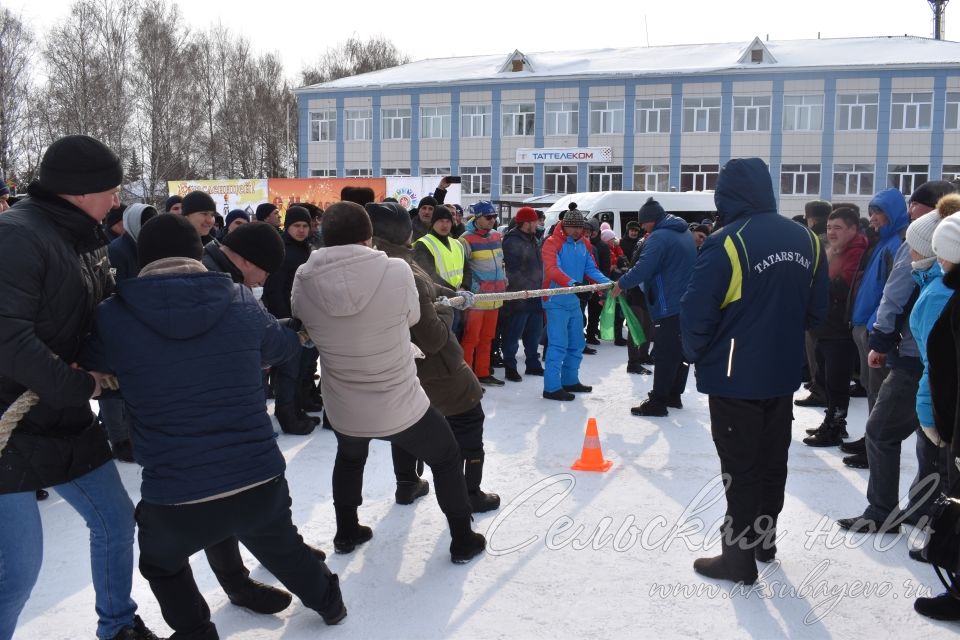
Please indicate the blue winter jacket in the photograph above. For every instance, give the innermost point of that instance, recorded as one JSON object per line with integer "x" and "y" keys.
{"x": 188, "y": 350}
{"x": 892, "y": 203}
{"x": 664, "y": 266}
{"x": 934, "y": 296}
{"x": 123, "y": 257}
{"x": 757, "y": 285}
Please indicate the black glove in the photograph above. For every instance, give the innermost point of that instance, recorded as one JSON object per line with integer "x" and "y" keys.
{"x": 293, "y": 324}
{"x": 584, "y": 295}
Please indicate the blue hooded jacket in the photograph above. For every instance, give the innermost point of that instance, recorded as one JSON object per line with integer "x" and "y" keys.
{"x": 892, "y": 203}
{"x": 758, "y": 283}
{"x": 188, "y": 351}
{"x": 664, "y": 266}
{"x": 934, "y": 296}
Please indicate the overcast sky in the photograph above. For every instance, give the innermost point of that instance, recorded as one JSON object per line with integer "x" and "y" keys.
{"x": 300, "y": 30}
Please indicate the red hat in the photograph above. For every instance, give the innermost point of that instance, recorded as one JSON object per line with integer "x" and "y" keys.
{"x": 526, "y": 214}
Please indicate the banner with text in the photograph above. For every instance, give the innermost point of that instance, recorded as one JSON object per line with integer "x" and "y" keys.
{"x": 408, "y": 190}
{"x": 228, "y": 194}
{"x": 323, "y": 192}
{"x": 565, "y": 155}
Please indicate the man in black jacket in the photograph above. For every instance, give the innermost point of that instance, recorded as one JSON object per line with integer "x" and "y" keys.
{"x": 523, "y": 263}
{"x": 55, "y": 273}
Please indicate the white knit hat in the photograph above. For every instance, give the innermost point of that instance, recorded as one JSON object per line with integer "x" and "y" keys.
{"x": 946, "y": 239}
{"x": 920, "y": 233}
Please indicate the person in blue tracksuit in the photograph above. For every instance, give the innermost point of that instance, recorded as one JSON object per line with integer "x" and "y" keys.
{"x": 567, "y": 260}
{"x": 758, "y": 284}
{"x": 664, "y": 268}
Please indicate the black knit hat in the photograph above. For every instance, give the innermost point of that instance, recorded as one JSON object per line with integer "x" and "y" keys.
{"x": 817, "y": 209}
{"x": 651, "y": 211}
{"x": 390, "y": 222}
{"x": 197, "y": 201}
{"x": 296, "y": 214}
{"x": 259, "y": 243}
{"x": 633, "y": 224}
{"x": 264, "y": 210}
{"x": 929, "y": 193}
{"x": 429, "y": 201}
{"x": 440, "y": 213}
{"x": 168, "y": 236}
{"x": 236, "y": 214}
{"x": 75, "y": 165}
{"x": 114, "y": 216}
{"x": 171, "y": 202}
{"x": 573, "y": 218}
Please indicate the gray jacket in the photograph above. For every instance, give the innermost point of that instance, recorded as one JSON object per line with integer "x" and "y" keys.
{"x": 893, "y": 306}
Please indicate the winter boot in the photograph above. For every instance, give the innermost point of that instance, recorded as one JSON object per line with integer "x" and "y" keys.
{"x": 465, "y": 543}
{"x": 855, "y": 447}
{"x": 307, "y": 397}
{"x": 136, "y": 631}
{"x": 410, "y": 490}
{"x": 812, "y": 400}
{"x": 534, "y": 371}
{"x": 291, "y": 422}
{"x": 734, "y": 564}
{"x": 828, "y": 435}
{"x": 350, "y": 533}
{"x": 480, "y": 502}
{"x": 259, "y": 597}
{"x": 942, "y": 607}
{"x": 512, "y": 375}
{"x": 651, "y": 407}
{"x": 578, "y": 388}
{"x": 559, "y": 394}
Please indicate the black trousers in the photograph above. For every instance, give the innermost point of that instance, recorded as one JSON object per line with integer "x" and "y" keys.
{"x": 752, "y": 438}
{"x": 429, "y": 439}
{"x": 640, "y": 354}
{"x": 836, "y": 358}
{"x": 259, "y": 517}
{"x": 467, "y": 428}
{"x": 670, "y": 372}
{"x": 594, "y": 309}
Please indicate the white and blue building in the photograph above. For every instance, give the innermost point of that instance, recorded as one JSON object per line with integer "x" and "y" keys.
{"x": 836, "y": 119}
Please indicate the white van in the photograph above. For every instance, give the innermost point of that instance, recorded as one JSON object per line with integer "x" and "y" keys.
{"x": 620, "y": 207}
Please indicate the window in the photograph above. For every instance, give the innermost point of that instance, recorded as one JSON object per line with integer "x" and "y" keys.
{"x": 857, "y": 111}
{"x": 358, "y": 173}
{"x": 802, "y": 113}
{"x": 911, "y": 110}
{"x": 434, "y": 122}
{"x": 395, "y": 172}
{"x": 562, "y": 118}
{"x": 653, "y": 116}
{"x": 395, "y": 123}
{"x": 907, "y": 177}
{"x": 323, "y": 126}
{"x": 953, "y": 111}
{"x": 651, "y": 177}
{"x": 698, "y": 177}
{"x": 518, "y": 119}
{"x": 701, "y": 115}
{"x": 476, "y": 180}
{"x": 323, "y": 173}
{"x": 517, "y": 180}
{"x": 853, "y": 179}
{"x": 950, "y": 172}
{"x": 751, "y": 113}
{"x": 800, "y": 179}
{"x": 475, "y": 121}
{"x": 560, "y": 179}
{"x": 606, "y": 116}
{"x": 358, "y": 124}
{"x": 606, "y": 177}
{"x": 434, "y": 171}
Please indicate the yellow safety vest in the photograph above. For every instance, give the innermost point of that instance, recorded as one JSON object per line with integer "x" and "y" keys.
{"x": 448, "y": 261}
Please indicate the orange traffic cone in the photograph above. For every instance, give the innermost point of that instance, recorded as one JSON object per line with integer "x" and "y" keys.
{"x": 591, "y": 459}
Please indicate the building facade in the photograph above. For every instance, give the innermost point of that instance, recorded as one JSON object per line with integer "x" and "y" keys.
{"x": 835, "y": 119}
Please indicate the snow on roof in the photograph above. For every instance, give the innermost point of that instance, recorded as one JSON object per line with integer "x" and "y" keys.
{"x": 835, "y": 53}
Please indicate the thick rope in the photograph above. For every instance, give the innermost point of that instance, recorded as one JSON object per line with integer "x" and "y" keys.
{"x": 531, "y": 293}
{"x": 27, "y": 400}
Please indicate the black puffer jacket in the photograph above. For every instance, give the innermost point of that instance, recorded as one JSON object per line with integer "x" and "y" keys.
{"x": 55, "y": 273}
{"x": 279, "y": 285}
{"x": 943, "y": 366}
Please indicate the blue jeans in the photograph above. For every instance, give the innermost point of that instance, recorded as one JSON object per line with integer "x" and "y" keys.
{"x": 99, "y": 497}
{"x": 565, "y": 343}
{"x": 527, "y": 325}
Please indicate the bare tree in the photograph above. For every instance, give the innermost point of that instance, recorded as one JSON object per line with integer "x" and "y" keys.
{"x": 15, "y": 67}
{"x": 353, "y": 57}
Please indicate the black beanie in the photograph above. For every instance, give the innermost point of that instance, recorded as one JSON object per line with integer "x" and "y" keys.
{"x": 171, "y": 202}
{"x": 115, "y": 215}
{"x": 75, "y": 165}
{"x": 197, "y": 201}
{"x": 929, "y": 193}
{"x": 651, "y": 211}
{"x": 168, "y": 236}
{"x": 429, "y": 201}
{"x": 390, "y": 222}
{"x": 361, "y": 195}
{"x": 440, "y": 213}
{"x": 296, "y": 214}
{"x": 817, "y": 209}
{"x": 259, "y": 243}
{"x": 265, "y": 210}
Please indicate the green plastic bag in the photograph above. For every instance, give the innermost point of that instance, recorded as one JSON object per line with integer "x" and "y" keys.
{"x": 633, "y": 324}
{"x": 607, "y": 318}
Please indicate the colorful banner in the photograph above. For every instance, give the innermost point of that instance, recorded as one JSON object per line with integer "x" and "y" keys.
{"x": 571, "y": 154}
{"x": 228, "y": 194}
{"x": 323, "y": 192}
{"x": 408, "y": 190}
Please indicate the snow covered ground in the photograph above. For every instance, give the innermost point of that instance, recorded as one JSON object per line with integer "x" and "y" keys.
{"x": 571, "y": 554}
